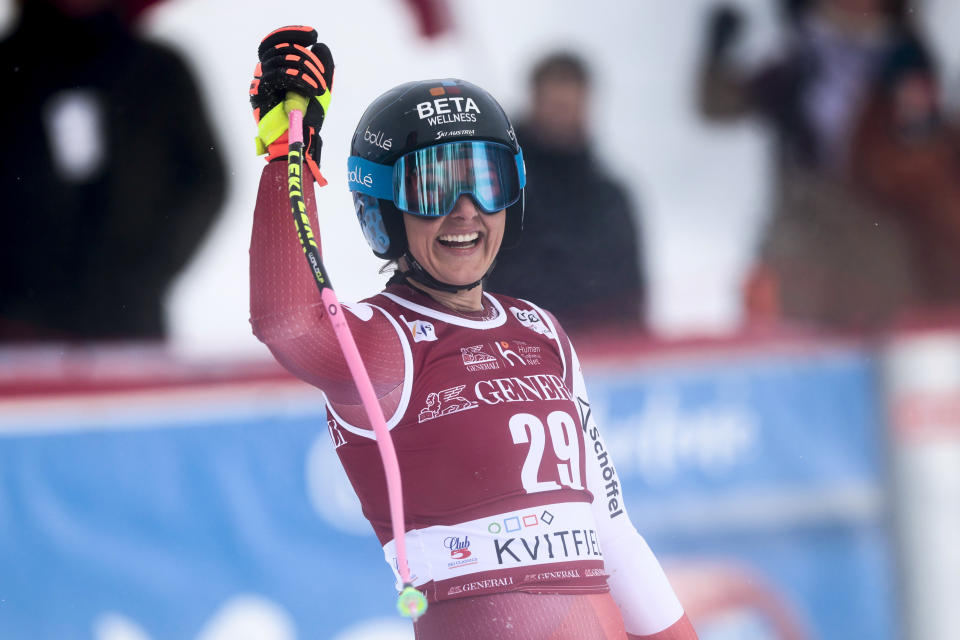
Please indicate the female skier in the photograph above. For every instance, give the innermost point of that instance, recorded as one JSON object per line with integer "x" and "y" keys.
{"x": 515, "y": 521}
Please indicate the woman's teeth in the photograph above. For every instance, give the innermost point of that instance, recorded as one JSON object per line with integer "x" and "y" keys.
{"x": 459, "y": 239}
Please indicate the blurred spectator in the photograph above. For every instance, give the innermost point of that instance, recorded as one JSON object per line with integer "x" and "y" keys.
{"x": 907, "y": 155}
{"x": 834, "y": 253}
{"x": 579, "y": 257}
{"x": 111, "y": 177}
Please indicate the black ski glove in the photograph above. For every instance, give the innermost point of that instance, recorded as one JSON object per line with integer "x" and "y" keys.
{"x": 291, "y": 59}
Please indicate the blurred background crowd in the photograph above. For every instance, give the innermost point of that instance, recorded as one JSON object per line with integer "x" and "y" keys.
{"x": 746, "y": 211}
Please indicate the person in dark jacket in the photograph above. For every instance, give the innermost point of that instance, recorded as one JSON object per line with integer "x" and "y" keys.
{"x": 580, "y": 254}
{"x": 111, "y": 176}
{"x": 906, "y": 154}
{"x": 833, "y": 254}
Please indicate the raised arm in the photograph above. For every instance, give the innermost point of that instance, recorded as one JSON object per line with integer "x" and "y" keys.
{"x": 726, "y": 91}
{"x": 285, "y": 307}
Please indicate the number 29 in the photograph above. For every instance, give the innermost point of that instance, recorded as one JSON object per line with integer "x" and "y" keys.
{"x": 526, "y": 427}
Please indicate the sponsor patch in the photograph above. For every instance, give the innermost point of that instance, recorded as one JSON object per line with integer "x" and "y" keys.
{"x": 475, "y": 358}
{"x": 511, "y": 357}
{"x": 442, "y": 403}
{"x": 552, "y": 575}
{"x": 458, "y": 132}
{"x": 445, "y": 88}
{"x": 449, "y": 109}
{"x": 569, "y": 544}
{"x": 531, "y": 353}
{"x": 494, "y": 355}
{"x": 480, "y": 585}
{"x": 336, "y": 434}
{"x": 612, "y": 486}
{"x": 358, "y": 177}
{"x": 396, "y": 570}
{"x": 531, "y": 320}
{"x": 543, "y": 539}
{"x": 531, "y": 388}
{"x": 460, "y": 554}
{"x": 378, "y": 139}
{"x": 515, "y": 523}
{"x": 421, "y": 330}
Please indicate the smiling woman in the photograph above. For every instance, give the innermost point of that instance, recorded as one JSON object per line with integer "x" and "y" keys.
{"x": 458, "y": 248}
{"x": 510, "y": 511}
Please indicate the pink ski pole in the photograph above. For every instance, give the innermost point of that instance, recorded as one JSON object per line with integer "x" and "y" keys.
{"x": 411, "y": 602}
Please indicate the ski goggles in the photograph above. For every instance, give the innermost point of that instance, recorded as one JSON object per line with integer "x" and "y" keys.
{"x": 428, "y": 182}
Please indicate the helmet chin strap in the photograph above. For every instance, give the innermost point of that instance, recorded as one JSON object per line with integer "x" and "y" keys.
{"x": 418, "y": 273}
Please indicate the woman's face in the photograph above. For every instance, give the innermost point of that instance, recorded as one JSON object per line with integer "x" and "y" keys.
{"x": 459, "y": 247}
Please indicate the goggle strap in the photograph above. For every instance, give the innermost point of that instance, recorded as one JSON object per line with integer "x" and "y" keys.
{"x": 521, "y": 168}
{"x": 370, "y": 178}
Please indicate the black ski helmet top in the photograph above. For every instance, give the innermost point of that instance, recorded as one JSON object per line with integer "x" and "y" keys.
{"x": 413, "y": 116}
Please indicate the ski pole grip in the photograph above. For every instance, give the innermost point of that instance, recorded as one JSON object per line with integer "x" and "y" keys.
{"x": 295, "y": 102}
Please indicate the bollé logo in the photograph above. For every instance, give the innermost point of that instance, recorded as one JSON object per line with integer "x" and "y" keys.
{"x": 358, "y": 176}
{"x": 377, "y": 139}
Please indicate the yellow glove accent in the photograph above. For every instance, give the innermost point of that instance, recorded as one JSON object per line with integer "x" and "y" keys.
{"x": 295, "y": 101}
{"x": 324, "y": 101}
{"x": 275, "y": 122}
{"x": 271, "y": 126}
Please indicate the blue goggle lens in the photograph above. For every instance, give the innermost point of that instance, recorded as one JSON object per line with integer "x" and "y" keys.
{"x": 429, "y": 181}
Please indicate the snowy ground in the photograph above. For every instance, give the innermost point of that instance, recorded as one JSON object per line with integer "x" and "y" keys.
{"x": 702, "y": 189}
